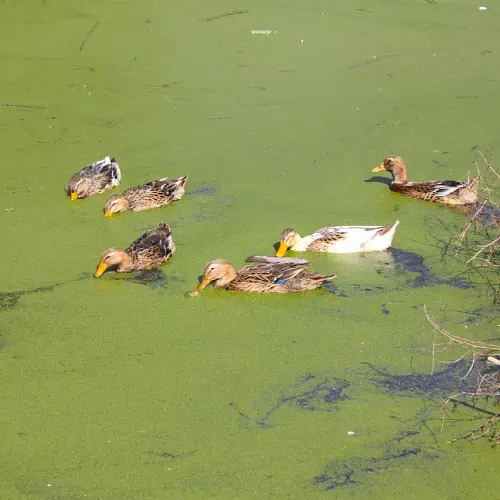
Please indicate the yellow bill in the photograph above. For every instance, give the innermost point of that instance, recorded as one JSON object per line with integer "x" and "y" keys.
{"x": 282, "y": 249}
{"x": 100, "y": 269}
{"x": 379, "y": 168}
{"x": 73, "y": 196}
{"x": 204, "y": 282}
{"x": 107, "y": 213}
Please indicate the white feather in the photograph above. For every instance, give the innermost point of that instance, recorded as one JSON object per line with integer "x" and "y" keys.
{"x": 354, "y": 239}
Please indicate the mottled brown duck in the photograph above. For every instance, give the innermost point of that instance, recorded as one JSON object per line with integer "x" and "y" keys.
{"x": 154, "y": 194}
{"x": 152, "y": 249}
{"x": 269, "y": 275}
{"x": 95, "y": 178}
{"x": 447, "y": 192}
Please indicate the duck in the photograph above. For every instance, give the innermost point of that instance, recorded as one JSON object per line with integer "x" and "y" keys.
{"x": 151, "y": 250}
{"x": 446, "y": 192}
{"x": 154, "y": 194}
{"x": 95, "y": 178}
{"x": 338, "y": 239}
{"x": 269, "y": 275}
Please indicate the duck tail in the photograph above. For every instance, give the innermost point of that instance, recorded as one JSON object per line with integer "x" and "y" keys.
{"x": 164, "y": 228}
{"x": 181, "y": 181}
{"x": 389, "y": 229}
{"x": 324, "y": 278}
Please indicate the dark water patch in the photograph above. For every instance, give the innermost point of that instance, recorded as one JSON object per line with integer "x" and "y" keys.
{"x": 313, "y": 392}
{"x": 486, "y": 214}
{"x": 9, "y": 300}
{"x": 338, "y": 474}
{"x": 455, "y": 377}
{"x": 396, "y": 452}
{"x": 205, "y": 189}
{"x": 154, "y": 278}
{"x": 380, "y": 179}
{"x": 212, "y": 210}
{"x": 410, "y": 262}
{"x": 477, "y": 315}
{"x": 404, "y": 263}
{"x": 353, "y": 290}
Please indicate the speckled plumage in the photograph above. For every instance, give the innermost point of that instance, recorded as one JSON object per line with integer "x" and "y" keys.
{"x": 95, "y": 178}
{"x": 272, "y": 276}
{"x": 154, "y": 194}
{"x": 446, "y": 192}
{"x": 152, "y": 249}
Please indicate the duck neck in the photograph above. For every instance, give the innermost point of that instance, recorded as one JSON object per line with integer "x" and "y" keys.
{"x": 226, "y": 279}
{"x": 399, "y": 174}
{"x": 126, "y": 264}
{"x": 300, "y": 244}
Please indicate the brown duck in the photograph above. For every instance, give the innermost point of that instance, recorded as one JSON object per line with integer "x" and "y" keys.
{"x": 152, "y": 249}
{"x": 270, "y": 275}
{"x": 94, "y": 179}
{"x": 151, "y": 195}
{"x": 447, "y": 192}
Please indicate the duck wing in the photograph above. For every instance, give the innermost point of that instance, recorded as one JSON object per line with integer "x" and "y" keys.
{"x": 271, "y": 274}
{"x": 155, "y": 242}
{"x": 160, "y": 189}
{"x": 431, "y": 189}
{"x": 105, "y": 171}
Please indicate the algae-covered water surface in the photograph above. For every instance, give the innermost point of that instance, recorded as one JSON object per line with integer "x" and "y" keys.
{"x": 124, "y": 388}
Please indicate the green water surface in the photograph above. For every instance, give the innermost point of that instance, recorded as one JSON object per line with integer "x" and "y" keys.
{"x": 116, "y": 388}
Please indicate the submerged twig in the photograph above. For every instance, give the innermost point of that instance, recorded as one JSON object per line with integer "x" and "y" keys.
{"x": 21, "y": 106}
{"x": 89, "y": 34}
{"x": 225, "y": 14}
{"x": 487, "y": 385}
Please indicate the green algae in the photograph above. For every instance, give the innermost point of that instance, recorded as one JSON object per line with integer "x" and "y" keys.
{"x": 124, "y": 388}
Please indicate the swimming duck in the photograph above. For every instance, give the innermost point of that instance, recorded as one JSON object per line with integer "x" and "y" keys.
{"x": 95, "y": 178}
{"x": 270, "y": 275}
{"x": 152, "y": 195}
{"x": 338, "y": 239}
{"x": 152, "y": 249}
{"x": 447, "y": 192}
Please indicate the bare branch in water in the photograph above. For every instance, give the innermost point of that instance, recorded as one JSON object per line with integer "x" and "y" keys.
{"x": 89, "y": 34}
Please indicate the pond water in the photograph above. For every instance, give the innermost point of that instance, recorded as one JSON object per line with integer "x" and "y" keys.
{"x": 124, "y": 388}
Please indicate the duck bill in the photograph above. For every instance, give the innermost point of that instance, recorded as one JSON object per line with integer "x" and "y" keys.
{"x": 73, "y": 196}
{"x": 282, "y": 249}
{"x": 100, "y": 269}
{"x": 204, "y": 283}
{"x": 379, "y": 168}
{"x": 107, "y": 213}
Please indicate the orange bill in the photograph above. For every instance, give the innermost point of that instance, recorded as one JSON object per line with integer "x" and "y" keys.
{"x": 379, "y": 168}
{"x": 73, "y": 196}
{"x": 282, "y": 249}
{"x": 107, "y": 213}
{"x": 204, "y": 282}
{"x": 100, "y": 269}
